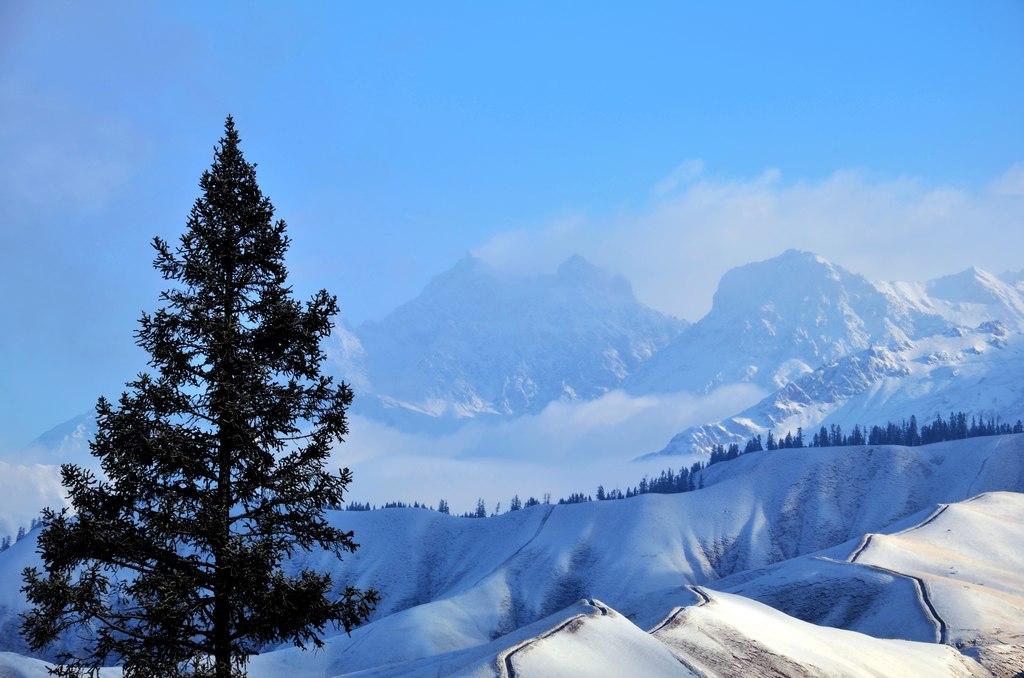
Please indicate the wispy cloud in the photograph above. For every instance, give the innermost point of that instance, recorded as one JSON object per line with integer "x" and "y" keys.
{"x": 1011, "y": 183}
{"x": 26, "y": 489}
{"x": 695, "y": 227}
{"x": 687, "y": 171}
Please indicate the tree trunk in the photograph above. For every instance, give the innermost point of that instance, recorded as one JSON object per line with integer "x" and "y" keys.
{"x": 222, "y": 575}
{"x": 225, "y": 452}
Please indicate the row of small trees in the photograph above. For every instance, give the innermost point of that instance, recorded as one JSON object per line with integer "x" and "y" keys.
{"x": 442, "y": 506}
{"x": 907, "y": 432}
{"x": 672, "y": 481}
{"x": 6, "y": 542}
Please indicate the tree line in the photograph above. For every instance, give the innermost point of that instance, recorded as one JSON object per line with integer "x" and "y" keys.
{"x": 906, "y": 432}
{"x": 6, "y": 542}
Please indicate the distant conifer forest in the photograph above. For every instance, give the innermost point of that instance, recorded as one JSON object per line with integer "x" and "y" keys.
{"x": 686, "y": 479}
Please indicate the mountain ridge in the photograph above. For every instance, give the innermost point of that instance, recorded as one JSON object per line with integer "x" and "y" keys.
{"x": 479, "y": 342}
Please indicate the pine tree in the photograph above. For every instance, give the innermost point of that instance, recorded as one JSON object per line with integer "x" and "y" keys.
{"x": 214, "y": 466}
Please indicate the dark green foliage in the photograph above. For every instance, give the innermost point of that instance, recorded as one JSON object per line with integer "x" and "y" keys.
{"x": 402, "y": 504}
{"x": 214, "y": 465}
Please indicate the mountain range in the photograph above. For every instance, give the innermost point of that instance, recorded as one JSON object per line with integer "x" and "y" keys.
{"x": 828, "y": 347}
{"x": 479, "y": 342}
{"x": 825, "y": 346}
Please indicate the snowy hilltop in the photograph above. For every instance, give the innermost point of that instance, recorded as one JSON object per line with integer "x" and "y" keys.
{"x": 774, "y": 321}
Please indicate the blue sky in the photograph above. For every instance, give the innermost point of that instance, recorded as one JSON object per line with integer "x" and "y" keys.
{"x": 669, "y": 141}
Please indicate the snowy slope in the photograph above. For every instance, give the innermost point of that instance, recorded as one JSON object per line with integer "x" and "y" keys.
{"x": 721, "y": 635}
{"x": 478, "y": 341}
{"x": 13, "y": 665}
{"x": 968, "y": 560}
{"x": 454, "y": 584}
{"x": 826, "y": 590}
{"x": 953, "y": 576}
{"x": 586, "y": 638}
{"x": 733, "y": 636}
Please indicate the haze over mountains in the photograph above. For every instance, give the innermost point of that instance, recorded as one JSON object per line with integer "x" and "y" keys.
{"x": 827, "y": 345}
{"x": 480, "y": 342}
{"x": 824, "y": 346}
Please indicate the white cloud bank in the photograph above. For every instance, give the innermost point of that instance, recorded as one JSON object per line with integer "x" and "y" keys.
{"x": 571, "y": 446}
{"x": 25, "y": 489}
{"x": 568, "y": 447}
{"x": 695, "y": 227}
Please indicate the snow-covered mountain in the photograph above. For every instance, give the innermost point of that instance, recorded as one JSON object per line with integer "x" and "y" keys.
{"x": 967, "y": 298}
{"x": 65, "y": 443}
{"x": 477, "y": 341}
{"x": 559, "y": 590}
{"x": 834, "y": 348}
{"x": 775, "y": 320}
{"x": 975, "y": 371}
